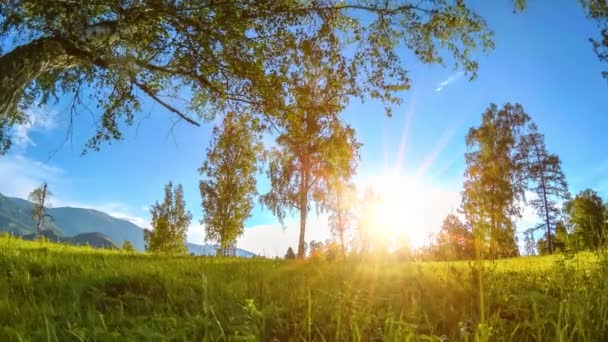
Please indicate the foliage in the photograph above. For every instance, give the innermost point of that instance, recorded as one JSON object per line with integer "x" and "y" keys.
{"x": 454, "y": 241}
{"x": 290, "y": 254}
{"x": 230, "y": 55}
{"x": 547, "y": 180}
{"x": 341, "y": 203}
{"x": 170, "y": 222}
{"x": 562, "y": 241}
{"x": 127, "y": 246}
{"x": 40, "y": 198}
{"x": 587, "y": 214}
{"x": 597, "y": 10}
{"x": 54, "y": 292}
{"x": 314, "y": 150}
{"x": 229, "y": 183}
{"x": 496, "y": 177}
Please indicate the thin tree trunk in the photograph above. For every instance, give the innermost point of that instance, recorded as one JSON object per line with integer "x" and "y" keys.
{"x": 303, "y": 212}
{"x": 41, "y": 213}
{"x": 545, "y": 203}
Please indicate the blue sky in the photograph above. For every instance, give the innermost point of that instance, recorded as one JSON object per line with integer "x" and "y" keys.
{"x": 543, "y": 60}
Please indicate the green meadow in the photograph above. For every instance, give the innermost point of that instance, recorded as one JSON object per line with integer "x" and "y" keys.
{"x": 53, "y": 292}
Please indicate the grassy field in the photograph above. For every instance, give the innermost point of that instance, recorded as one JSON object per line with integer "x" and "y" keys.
{"x": 52, "y": 292}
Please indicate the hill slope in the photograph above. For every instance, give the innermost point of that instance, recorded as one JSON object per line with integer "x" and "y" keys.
{"x": 96, "y": 240}
{"x": 81, "y": 225}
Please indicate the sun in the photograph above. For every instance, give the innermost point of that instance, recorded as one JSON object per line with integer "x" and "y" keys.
{"x": 406, "y": 211}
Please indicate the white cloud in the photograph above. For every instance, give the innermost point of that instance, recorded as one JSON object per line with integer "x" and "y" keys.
{"x": 272, "y": 240}
{"x": 196, "y": 233}
{"x": 453, "y": 78}
{"x": 19, "y": 175}
{"x": 40, "y": 119}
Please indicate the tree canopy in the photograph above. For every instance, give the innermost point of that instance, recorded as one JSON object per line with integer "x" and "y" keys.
{"x": 229, "y": 185}
{"x": 496, "y": 177}
{"x": 587, "y": 212}
{"x": 195, "y": 58}
{"x": 170, "y": 222}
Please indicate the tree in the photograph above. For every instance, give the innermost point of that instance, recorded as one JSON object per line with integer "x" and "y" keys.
{"x": 597, "y": 10}
{"x": 316, "y": 248}
{"x": 229, "y": 183}
{"x": 127, "y": 246}
{"x": 548, "y": 181}
{"x": 529, "y": 242}
{"x": 560, "y": 240}
{"x": 290, "y": 254}
{"x": 170, "y": 222}
{"x": 496, "y": 178}
{"x": 587, "y": 213}
{"x": 341, "y": 218}
{"x": 313, "y": 148}
{"x": 455, "y": 240}
{"x": 230, "y": 54}
{"x": 40, "y": 197}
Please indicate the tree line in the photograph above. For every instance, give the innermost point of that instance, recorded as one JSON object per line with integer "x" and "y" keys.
{"x": 284, "y": 68}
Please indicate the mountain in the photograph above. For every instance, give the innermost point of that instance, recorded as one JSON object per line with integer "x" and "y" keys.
{"x": 79, "y": 226}
{"x": 75, "y": 221}
{"x": 208, "y": 249}
{"x": 15, "y": 217}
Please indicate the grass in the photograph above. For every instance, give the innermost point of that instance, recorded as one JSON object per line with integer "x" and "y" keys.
{"x": 51, "y": 292}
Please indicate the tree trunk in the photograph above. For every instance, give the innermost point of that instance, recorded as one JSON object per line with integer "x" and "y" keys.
{"x": 303, "y": 213}
{"x": 25, "y": 64}
{"x": 28, "y": 62}
{"x": 545, "y": 203}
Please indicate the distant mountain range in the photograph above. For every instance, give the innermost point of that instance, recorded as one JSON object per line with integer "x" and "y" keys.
{"x": 80, "y": 226}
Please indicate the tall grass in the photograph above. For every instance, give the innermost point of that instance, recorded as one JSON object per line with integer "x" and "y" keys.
{"x": 51, "y": 292}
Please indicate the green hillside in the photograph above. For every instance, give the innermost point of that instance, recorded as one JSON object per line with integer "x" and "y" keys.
{"x": 60, "y": 293}
{"x": 96, "y": 240}
{"x": 80, "y": 225}
{"x": 15, "y": 218}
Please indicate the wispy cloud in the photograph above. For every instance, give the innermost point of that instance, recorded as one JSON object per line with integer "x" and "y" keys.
{"x": 19, "y": 175}
{"x": 40, "y": 119}
{"x": 453, "y": 78}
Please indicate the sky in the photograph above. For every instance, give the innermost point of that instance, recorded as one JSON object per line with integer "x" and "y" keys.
{"x": 543, "y": 60}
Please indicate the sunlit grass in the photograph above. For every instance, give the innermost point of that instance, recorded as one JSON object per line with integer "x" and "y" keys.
{"x": 64, "y": 293}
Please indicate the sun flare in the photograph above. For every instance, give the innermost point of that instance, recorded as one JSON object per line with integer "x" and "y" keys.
{"x": 406, "y": 211}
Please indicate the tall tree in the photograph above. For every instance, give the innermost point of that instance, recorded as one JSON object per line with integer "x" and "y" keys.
{"x": 587, "y": 213}
{"x": 496, "y": 177}
{"x": 341, "y": 218}
{"x": 229, "y": 183}
{"x": 313, "y": 147}
{"x": 548, "y": 181}
{"x": 230, "y": 54}
{"x": 40, "y": 197}
{"x": 170, "y": 222}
